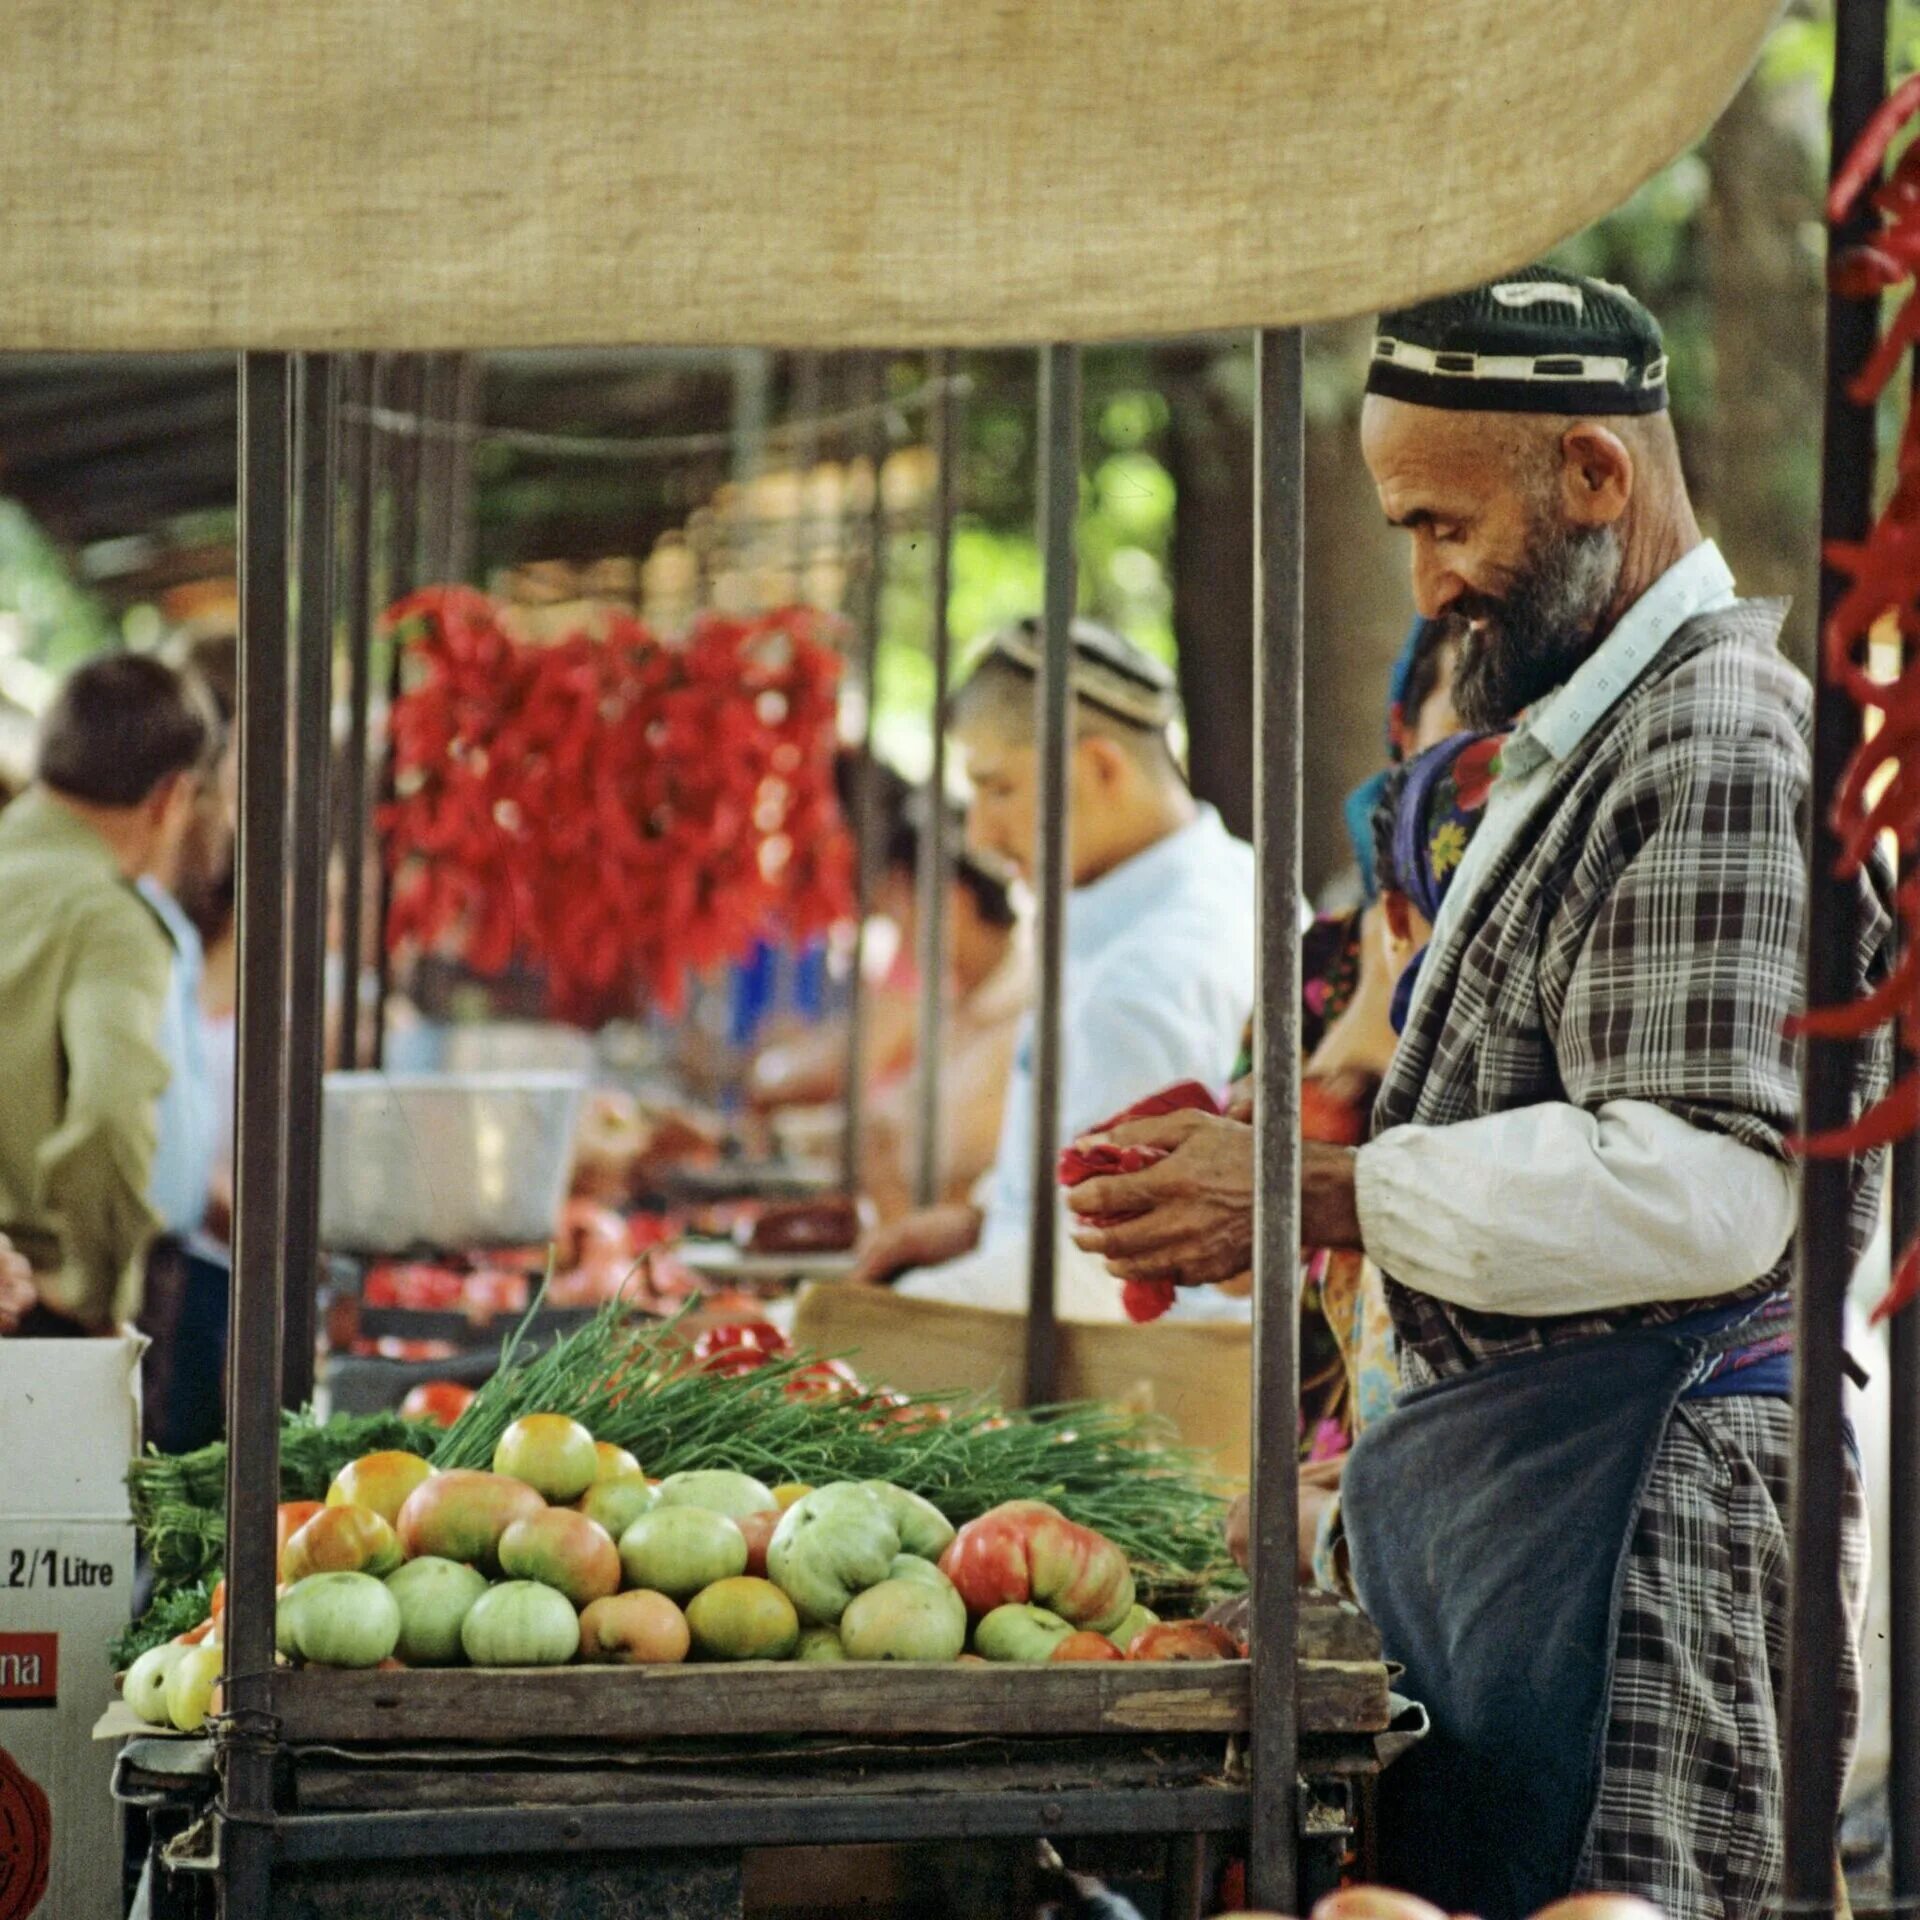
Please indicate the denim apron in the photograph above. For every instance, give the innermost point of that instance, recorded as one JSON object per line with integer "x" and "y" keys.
{"x": 1488, "y": 1520}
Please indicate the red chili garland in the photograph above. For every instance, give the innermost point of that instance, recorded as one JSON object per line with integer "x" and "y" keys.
{"x": 617, "y": 810}
{"x": 1884, "y": 575}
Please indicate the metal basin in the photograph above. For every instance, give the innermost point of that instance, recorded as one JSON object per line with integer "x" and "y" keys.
{"x": 445, "y": 1160}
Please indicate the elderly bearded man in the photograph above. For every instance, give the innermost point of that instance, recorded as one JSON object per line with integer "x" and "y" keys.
{"x": 1578, "y": 1184}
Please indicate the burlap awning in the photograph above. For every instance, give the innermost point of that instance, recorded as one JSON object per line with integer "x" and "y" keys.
{"x": 468, "y": 173}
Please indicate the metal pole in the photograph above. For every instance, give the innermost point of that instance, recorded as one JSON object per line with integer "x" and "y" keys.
{"x": 752, "y": 382}
{"x": 865, "y": 789}
{"x": 405, "y": 378}
{"x": 439, "y": 400}
{"x": 362, "y": 470}
{"x": 1279, "y": 558}
{"x": 469, "y": 396}
{"x": 1053, "y": 698}
{"x": 253, "y": 1366}
{"x": 319, "y": 465}
{"x": 1903, "y": 1547}
{"x": 936, "y": 863}
{"x": 1903, "y": 1516}
{"x": 1816, "y": 1622}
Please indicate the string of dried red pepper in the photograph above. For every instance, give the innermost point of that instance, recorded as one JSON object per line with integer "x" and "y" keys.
{"x": 618, "y": 810}
{"x": 1880, "y": 790}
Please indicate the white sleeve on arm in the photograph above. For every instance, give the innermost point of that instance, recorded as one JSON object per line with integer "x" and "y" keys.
{"x": 1552, "y": 1209}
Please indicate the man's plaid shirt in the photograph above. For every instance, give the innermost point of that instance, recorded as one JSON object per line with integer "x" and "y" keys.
{"x": 1640, "y": 939}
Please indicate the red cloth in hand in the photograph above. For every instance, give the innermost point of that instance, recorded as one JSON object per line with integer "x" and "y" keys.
{"x": 1143, "y": 1299}
{"x": 1323, "y": 1117}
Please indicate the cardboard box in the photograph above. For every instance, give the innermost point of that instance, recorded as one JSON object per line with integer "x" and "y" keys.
{"x": 1198, "y": 1374}
{"x": 69, "y": 1424}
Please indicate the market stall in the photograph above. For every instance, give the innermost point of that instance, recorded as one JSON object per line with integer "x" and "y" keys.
{"x": 326, "y": 1779}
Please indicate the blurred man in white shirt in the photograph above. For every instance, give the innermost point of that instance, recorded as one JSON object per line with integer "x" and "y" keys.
{"x": 1158, "y": 980}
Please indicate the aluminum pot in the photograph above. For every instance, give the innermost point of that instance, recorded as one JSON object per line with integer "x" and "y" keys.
{"x": 446, "y": 1161}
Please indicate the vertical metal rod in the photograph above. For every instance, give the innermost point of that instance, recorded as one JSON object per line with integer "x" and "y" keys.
{"x": 751, "y": 370}
{"x": 403, "y": 561}
{"x": 253, "y": 1367}
{"x": 1816, "y": 1622}
{"x": 362, "y": 471}
{"x": 1903, "y": 1545}
{"x": 1903, "y": 1514}
{"x": 936, "y": 863}
{"x": 469, "y": 393}
{"x": 1059, "y": 479}
{"x": 1279, "y": 559}
{"x": 866, "y": 789}
{"x": 319, "y": 479}
{"x": 438, "y": 395}
{"x": 804, "y": 401}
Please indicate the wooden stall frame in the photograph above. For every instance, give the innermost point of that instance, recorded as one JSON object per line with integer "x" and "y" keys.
{"x": 281, "y": 791}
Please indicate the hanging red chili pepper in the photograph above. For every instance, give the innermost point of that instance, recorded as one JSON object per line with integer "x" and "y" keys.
{"x": 616, "y": 810}
{"x": 1879, "y": 792}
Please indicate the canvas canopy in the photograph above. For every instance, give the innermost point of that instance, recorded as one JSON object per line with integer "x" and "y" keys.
{"x": 464, "y": 173}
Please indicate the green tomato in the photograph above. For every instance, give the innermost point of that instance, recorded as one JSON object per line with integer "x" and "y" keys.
{"x": 743, "y": 1619}
{"x": 1021, "y": 1633}
{"x": 434, "y": 1597}
{"x": 910, "y": 1620}
{"x": 1138, "y": 1620}
{"x": 734, "y": 1494}
{"x": 341, "y": 1620}
{"x": 923, "y": 1529}
{"x": 145, "y": 1687}
{"x": 830, "y": 1546}
{"x": 616, "y": 1503}
{"x": 679, "y": 1551}
{"x": 923, "y": 1573}
{"x": 286, "y": 1641}
{"x": 819, "y": 1645}
{"x": 910, "y": 1566}
{"x": 520, "y": 1623}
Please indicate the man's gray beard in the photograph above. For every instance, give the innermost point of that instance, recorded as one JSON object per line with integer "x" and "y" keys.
{"x": 1540, "y": 630}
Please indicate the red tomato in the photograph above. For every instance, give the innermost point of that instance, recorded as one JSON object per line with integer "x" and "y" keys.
{"x": 739, "y": 1347}
{"x": 1086, "y": 1646}
{"x": 1185, "y": 1640}
{"x": 1025, "y": 1550}
{"x": 441, "y": 1401}
{"x": 824, "y": 1380}
{"x": 758, "y": 1527}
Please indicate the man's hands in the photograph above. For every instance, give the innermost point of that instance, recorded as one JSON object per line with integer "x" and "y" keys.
{"x": 925, "y": 1239}
{"x": 1189, "y": 1218}
{"x": 17, "y": 1291}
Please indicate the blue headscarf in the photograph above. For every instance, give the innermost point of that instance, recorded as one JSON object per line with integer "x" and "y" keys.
{"x": 1362, "y": 802}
